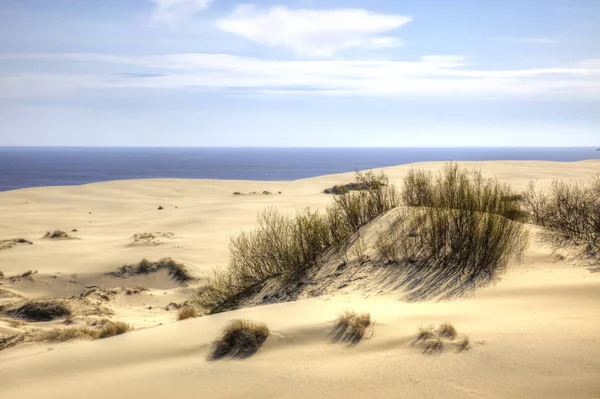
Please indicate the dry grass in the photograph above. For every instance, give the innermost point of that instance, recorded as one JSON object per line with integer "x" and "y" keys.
{"x": 44, "y": 310}
{"x": 186, "y": 312}
{"x": 240, "y": 339}
{"x": 463, "y": 344}
{"x": 67, "y": 334}
{"x": 112, "y": 328}
{"x": 177, "y": 271}
{"x": 6, "y": 244}
{"x": 447, "y": 331}
{"x": 57, "y": 234}
{"x": 351, "y": 327}
{"x": 424, "y": 334}
{"x": 433, "y": 346}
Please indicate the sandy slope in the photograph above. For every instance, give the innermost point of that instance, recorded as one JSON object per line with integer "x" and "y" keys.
{"x": 535, "y": 334}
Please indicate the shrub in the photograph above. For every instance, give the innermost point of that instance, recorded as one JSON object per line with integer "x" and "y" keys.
{"x": 351, "y": 328}
{"x": 424, "y": 334}
{"x": 456, "y": 188}
{"x": 461, "y": 226}
{"x": 41, "y": 310}
{"x": 239, "y": 339}
{"x": 186, "y": 312}
{"x": 570, "y": 210}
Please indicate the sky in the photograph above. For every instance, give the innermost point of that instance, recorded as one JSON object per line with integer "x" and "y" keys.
{"x": 305, "y": 73}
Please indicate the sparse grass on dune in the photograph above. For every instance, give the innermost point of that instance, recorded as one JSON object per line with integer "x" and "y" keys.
{"x": 67, "y": 334}
{"x": 186, "y": 312}
{"x": 112, "y": 328}
{"x": 177, "y": 271}
{"x": 433, "y": 346}
{"x": 463, "y": 344}
{"x": 6, "y": 244}
{"x": 447, "y": 331}
{"x": 240, "y": 339}
{"x": 351, "y": 328}
{"x": 40, "y": 310}
{"x": 57, "y": 234}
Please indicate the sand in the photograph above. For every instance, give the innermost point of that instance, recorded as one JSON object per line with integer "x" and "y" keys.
{"x": 535, "y": 333}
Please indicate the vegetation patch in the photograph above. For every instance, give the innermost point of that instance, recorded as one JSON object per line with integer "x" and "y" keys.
{"x": 285, "y": 248}
{"x": 58, "y": 235}
{"x": 6, "y": 244}
{"x": 40, "y": 310}
{"x": 433, "y": 341}
{"x": 177, "y": 271}
{"x": 239, "y": 340}
{"x": 351, "y": 328}
{"x": 570, "y": 212}
{"x": 186, "y": 312}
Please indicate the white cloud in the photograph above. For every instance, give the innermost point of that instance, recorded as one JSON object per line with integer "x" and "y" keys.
{"x": 449, "y": 76}
{"x": 313, "y": 32}
{"x": 531, "y": 39}
{"x": 175, "y": 11}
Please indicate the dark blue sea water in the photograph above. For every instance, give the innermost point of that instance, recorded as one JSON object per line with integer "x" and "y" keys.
{"x": 36, "y": 166}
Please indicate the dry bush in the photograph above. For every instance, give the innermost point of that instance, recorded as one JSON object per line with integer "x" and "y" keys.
{"x": 361, "y": 207}
{"x": 351, "y": 327}
{"x": 177, "y": 271}
{"x": 42, "y": 310}
{"x": 463, "y": 344}
{"x": 186, "y": 312}
{"x": 359, "y": 250}
{"x": 112, "y": 328}
{"x": 460, "y": 225}
{"x": 13, "y": 340}
{"x": 239, "y": 339}
{"x": 433, "y": 346}
{"x": 456, "y": 188}
{"x": 569, "y": 210}
{"x": 447, "y": 331}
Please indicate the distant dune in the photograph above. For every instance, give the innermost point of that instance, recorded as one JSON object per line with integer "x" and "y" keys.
{"x": 534, "y": 333}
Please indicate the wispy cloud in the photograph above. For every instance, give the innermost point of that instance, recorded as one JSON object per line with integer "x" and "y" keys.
{"x": 313, "y": 32}
{"x": 175, "y": 11}
{"x": 430, "y": 76}
{"x": 530, "y": 39}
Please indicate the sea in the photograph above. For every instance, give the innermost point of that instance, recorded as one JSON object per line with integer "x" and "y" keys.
{"x": 22, "y": 167}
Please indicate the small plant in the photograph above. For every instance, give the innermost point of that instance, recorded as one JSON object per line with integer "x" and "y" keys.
{"x": 433, "y": 346}
{"x": 186, "y": 312}
{"x": 351, "y": 327}
{"x": 177, "y": 271}
{"x": 463, "y": 344}
{"x": 160, "y": 208}
{"x": 448, "y": 331}
{"x": 240, "y": 339}
{"x": 424, "y": 334}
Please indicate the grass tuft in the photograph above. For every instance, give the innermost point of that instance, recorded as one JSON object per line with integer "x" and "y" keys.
{"x": 240, "y": 339}
{"x": 351, "y": 328}
{"x": 448, "y": 331}
{"x": 186, "y": 312}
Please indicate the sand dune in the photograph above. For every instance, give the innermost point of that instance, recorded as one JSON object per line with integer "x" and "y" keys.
{"x": 535, "y": 333}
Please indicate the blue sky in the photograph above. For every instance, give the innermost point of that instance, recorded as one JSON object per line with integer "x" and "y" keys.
{"x": 300, "y": 73}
